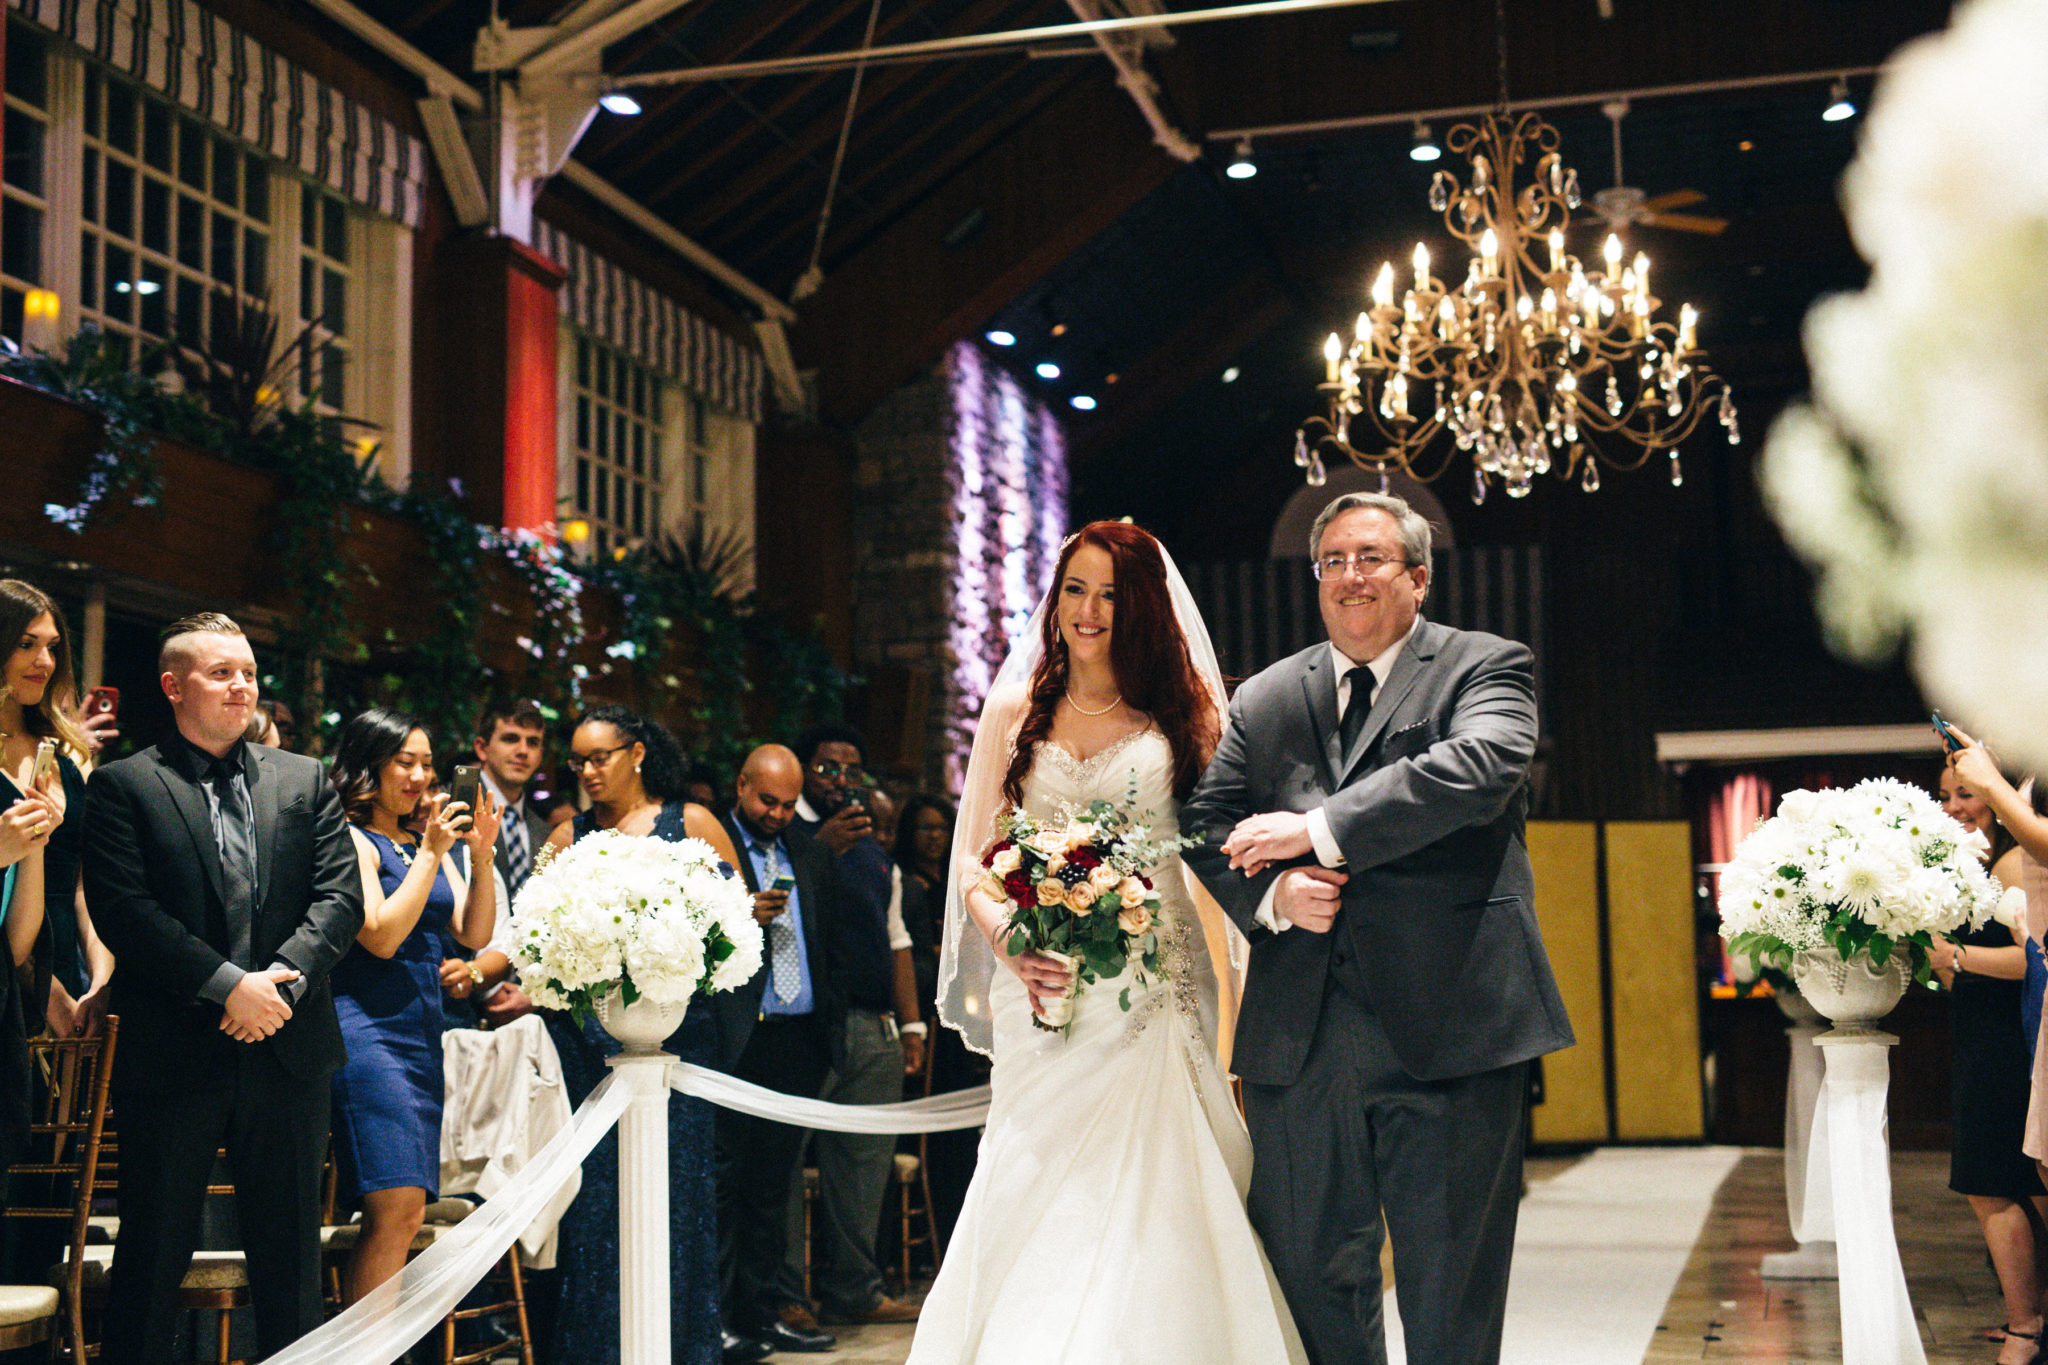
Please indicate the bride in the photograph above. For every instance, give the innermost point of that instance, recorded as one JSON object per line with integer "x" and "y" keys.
{"x": 1106, "y": 1220}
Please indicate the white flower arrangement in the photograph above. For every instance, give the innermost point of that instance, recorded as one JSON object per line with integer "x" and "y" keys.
{"x": 653, "y": 919}
{"x": 1877, "y": 866}
{"x": 1924, "y": 464}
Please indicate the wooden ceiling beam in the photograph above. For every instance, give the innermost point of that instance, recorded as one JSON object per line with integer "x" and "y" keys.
{"x": 816, "y": 135}
{"x": 1052, "y": 182}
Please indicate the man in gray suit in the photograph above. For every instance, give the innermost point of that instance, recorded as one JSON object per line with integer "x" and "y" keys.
{"x": 1364, "y": 816}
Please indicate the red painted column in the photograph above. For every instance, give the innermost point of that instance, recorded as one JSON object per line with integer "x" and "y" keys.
{"x": 484, "y": 395}
{"x": 532, "y": 335}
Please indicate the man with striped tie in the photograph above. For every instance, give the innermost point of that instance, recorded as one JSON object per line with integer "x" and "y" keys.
{"x": 776, "y": 1031}
{"x": 511, "y": 737}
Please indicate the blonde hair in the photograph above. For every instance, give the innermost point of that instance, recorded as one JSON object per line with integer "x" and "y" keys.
{"x": 172, "y": 651}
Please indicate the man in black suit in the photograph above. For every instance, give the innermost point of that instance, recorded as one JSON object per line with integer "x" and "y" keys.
{"x": 222, "y": 876}
{"x": 776, "y": 1031}
{"x": 511, "y": 738}
{"x": 1372, "y": 790}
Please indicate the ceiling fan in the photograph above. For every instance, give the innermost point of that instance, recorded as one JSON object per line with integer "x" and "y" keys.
{"x": 1621, "y": 205}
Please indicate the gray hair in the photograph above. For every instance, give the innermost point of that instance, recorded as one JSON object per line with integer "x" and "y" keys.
{"x": 1414, "y": 527}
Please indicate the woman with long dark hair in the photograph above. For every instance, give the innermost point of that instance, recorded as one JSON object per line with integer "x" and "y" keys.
{"x": 636, "y": 777}
{"x": 40, "y": 677}
{"x": 1114, "y": 1165}
{"x": 387, "y": 989}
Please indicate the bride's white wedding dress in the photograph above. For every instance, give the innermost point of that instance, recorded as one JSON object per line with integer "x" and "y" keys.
{"x": 1106, "y": 1221}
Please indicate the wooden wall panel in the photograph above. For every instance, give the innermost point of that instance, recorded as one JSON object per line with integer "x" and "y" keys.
{"x": 1565, "y": 858}
{"x": 1655, "y": 981}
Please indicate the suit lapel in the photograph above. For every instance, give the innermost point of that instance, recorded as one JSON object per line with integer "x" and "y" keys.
{"x": 739, "y": 846}
{"x": 1319, "y": 693}
{"x": 265, "y": 793}
{"x": 1408, "y": 666}
{"x": 191, "y": 807}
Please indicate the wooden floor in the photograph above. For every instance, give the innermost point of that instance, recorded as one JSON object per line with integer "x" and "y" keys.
{"x": 1722, "y": 1310}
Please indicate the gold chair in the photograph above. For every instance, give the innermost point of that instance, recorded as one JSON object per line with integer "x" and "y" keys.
{"x": 57, "y": 1181}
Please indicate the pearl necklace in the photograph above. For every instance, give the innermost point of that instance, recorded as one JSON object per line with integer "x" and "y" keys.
{"x": 1114, "y": 702}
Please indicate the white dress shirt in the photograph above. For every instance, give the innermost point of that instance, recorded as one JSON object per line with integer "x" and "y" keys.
{"x": 1319, "y": 836}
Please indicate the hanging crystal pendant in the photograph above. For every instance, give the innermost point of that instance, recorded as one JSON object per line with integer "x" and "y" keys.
{"x": 1518, "y": 487}
{"x": 1613, "y": 397}
{"x": 1440, "y": 191}
{"x": 1590, "y": 480}
{"x": 1677, "y": 474}
{"x": 1317, "y": 475}
{"x": 1300, "y": 450}
{"x": 1571, "y": 190}
{"x": 1478, "y": 486}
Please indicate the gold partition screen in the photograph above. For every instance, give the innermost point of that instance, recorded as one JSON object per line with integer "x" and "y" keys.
{"x": 1565, "y": 856}
{"x": 1655, "y": 981}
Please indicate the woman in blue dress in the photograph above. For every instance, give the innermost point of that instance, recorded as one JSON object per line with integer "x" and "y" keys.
{"x": 387, "y": 990}
{"x": 635, "y": 776}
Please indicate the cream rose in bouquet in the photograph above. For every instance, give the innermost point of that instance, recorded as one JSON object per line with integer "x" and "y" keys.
{"x": 1078, "y": 892}
{"x": 651, "y": 919}
{"x": 1875, "y": 867}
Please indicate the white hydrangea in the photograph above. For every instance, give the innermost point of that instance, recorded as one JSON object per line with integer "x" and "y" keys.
{"x": 1933, "y": 375}
{"x": 1880, "y": 853}
{"x": 614, "y": 909}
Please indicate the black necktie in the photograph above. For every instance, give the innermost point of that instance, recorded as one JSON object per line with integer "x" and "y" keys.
{"x": 1353, "y": 721}
{"x": 237, "y": 838}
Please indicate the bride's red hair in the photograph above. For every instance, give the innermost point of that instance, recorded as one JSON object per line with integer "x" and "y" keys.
{"x": 1147, "y": 650}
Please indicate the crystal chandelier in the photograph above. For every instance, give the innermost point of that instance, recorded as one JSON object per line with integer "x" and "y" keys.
{"x": 1528, "y": 365}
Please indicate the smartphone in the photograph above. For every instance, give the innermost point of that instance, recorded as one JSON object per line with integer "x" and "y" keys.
{"x": 784, "y": 883}
{"x": 467, "y": 787}
{"x": 103, "y": 701}
{"x": 46, "y": 762}
{"x": 1948, "y": 736}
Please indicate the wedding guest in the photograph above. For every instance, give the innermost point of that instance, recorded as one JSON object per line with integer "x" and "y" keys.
{"x": 701, "y": 786}
{"x": 287, "y": 724}
{"x": 511, "y": 738}
{"x": 76, "y": 970}
{"x": 882, "y": 1038}
{"x": 776, "y": 1031}
{"x": 223, "y": 878}
{"x": 632, "y": 771}
{"x": 924, "y": 836}
{"x": 1992, "y": 1073}
{"x": 387, "y": 990}
{"x": 26, "y": 827}
{"x": 262, "y": 729}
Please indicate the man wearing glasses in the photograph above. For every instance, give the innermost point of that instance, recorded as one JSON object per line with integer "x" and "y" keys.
{"x": 881, "y": 1040}
{"x": 1364, "y": 817}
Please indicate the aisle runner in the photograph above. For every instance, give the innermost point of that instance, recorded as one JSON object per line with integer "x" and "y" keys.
{"x": 1597, "y": 1253}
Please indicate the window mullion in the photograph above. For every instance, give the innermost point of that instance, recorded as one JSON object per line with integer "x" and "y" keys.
{"x": 64, "y": 147}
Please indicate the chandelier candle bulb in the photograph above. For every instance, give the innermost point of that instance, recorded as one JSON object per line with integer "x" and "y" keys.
{"x": 1687, "y": 317}
{"x": 1383, "y": 287}
{"x": 1489, "y": 252}
{"x": 1333, "y": 349}
{"x": 1612, "y": 252}
{"x": 1550, "y": 310}
{"x": 1556, "y": 250}
{"x": 1421, "y": 267}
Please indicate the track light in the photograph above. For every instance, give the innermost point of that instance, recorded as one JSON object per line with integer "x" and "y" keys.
{"x": 619, "y": 102}
{"x": 1242, "y": 168}
{"x": 1840, "y": 106}
{"x": 1082, "y": 402}
{"x": 1048, "y": 370}
{"x": 999, "y": 337}
{"x": 1425, "y": 148}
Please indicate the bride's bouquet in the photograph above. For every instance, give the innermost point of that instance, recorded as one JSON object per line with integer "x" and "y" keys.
{"x": 649, "y": 918}
{"x": 1876, "y": 868}
{"x": 1078, "y": 894}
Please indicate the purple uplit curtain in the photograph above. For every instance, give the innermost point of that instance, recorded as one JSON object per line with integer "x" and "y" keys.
{"x": 1010, "y": 510}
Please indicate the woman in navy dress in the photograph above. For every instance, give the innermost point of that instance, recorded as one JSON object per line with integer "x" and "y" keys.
{"x": 387, "y": 990}
{"x": 635, "y": 776}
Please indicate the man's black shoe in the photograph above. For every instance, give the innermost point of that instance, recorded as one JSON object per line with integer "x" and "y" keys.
{"x": 739, "y": 1350}
{"x": 780, "y": 1336}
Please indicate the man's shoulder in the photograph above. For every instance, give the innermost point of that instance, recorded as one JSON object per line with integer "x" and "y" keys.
{"x": 126, "y": 771}
{"x": 1282, "y": 674}
{"x": 1450, "y": 641}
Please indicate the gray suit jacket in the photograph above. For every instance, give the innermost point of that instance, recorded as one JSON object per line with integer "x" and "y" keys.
{"x": 1438, "y": 924}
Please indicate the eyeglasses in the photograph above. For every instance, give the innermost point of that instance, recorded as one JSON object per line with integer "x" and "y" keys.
{"x": 1367, "y": 563}
{"x": 852, "y": 772}
{"x": 596, "y": 758}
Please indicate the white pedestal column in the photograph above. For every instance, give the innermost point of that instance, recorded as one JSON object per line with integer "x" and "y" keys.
{"x": 1809, "y": 1194}
{"x": 1878, "y": 1327}
{"x": 643, "y": 1209}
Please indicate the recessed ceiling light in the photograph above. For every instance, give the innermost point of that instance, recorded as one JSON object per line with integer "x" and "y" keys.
{"x": 1111, "y": 377}
{"x": 999, "y": 337}
{"x": 1048, "y": 370}
{"x": 1083, "y": 402}
{"x": 1059, "y": 329}
{"x": 619, "y": 102}
{"x": 1745, "y": 146}
{"x": 1230, "y": 375}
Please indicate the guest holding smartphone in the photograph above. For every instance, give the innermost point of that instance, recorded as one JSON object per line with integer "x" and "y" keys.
{"x": 387, "y": 1097}
{"x": 74, "y": 971}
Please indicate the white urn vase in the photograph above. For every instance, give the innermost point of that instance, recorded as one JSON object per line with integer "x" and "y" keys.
{"x": 642, "y": 1026}
{"x": 1852, "y": 993}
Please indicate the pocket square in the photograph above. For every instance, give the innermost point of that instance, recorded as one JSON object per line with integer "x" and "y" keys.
{"x": 1410, "y": 728}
